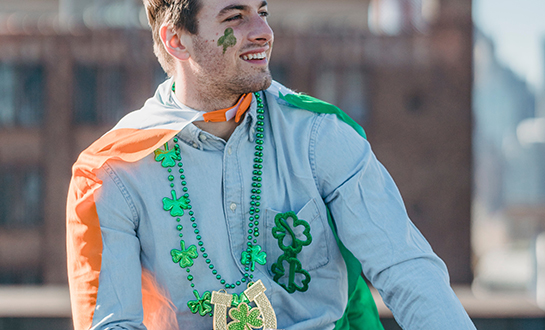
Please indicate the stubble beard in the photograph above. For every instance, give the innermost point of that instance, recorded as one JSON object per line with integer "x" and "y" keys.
{"x": 213, "y": 78}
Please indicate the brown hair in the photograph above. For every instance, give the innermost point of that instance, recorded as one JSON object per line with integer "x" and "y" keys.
{"x": 182, "y": 14}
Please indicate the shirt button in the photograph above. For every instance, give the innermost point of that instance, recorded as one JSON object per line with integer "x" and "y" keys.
{"x": 202, "y": 137}
{"x": 229, "y": 150}
{"x": 195, "y": 145}
{"x": 233, "y": 207}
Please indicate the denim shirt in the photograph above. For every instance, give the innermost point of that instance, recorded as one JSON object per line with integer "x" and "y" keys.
{"x": 311, "y": 161}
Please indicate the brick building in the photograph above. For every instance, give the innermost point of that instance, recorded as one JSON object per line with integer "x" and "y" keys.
{"x": 62, "y": 85}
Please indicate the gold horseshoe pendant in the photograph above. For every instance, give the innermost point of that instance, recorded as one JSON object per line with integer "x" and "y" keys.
{"x": 255, "y": 293}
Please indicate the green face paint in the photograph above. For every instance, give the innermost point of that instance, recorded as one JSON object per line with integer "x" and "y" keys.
{"x": 227, "y": 40}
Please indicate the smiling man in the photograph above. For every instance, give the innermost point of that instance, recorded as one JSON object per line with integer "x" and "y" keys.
{"x": 230, "y": 202}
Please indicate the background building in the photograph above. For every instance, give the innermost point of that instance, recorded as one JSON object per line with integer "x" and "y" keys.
{"x": 70, "y": 69}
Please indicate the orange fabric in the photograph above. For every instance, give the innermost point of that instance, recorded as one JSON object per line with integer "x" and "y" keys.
{"x": 243, "y": 104}
{"x": 84, "y": 238}
{"x": 159, "y": 310}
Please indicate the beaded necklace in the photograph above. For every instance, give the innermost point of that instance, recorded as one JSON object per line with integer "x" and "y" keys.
{"x": 185, "y": 256}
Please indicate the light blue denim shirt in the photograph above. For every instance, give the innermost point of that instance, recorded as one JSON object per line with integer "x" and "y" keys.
{"x": 310, "y": 161}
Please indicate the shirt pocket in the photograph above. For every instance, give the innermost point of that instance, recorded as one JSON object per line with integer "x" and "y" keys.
{"x": 311, "y": 256}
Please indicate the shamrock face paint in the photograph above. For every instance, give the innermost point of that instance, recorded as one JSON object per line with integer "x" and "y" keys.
{"x": 227, "y": 40}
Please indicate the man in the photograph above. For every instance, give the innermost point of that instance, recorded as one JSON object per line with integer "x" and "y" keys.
{"x": 222, "y": 217}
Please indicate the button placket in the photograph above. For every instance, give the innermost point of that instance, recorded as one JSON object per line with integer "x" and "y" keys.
{"x": 233, "y": 194}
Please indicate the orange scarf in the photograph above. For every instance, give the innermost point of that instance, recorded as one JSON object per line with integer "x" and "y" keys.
{"x": 242, "y": 105}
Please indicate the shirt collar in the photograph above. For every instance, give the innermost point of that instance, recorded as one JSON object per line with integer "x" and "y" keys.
{"x": 199, "y": 139}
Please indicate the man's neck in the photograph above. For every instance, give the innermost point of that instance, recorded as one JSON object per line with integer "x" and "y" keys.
{"x": 209, "y": 102}
{"x": 222, "y": 129}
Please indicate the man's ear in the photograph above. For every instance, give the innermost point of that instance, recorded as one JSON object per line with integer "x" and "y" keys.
{"x": 172, "y": 42}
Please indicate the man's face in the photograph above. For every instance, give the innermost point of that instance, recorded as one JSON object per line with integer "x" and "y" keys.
{"x": 231, "y": 51}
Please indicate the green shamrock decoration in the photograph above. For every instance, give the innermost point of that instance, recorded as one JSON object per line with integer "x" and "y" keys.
{"x": 238, "y": 299}
{"x": 244, "y": 318}
{"x": 282, "y": 229}
{"x": 167, "y": 157}
{"x": 184, "y": 256}
{"x": 176, "y": 205}
{"x": 295, "y": 268}
{"x": 227, "y": 40}
{"x": 202, "y": 304}
{"x": 254, "y": 255}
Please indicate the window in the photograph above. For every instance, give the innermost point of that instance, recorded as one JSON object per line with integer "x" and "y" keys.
{"x": 21, "y": 95}
{"x": 345, "y": 88}
{"x": 20, "y": 197}
{"x": 99, "y": 96}
{"x": 393, "y": 17}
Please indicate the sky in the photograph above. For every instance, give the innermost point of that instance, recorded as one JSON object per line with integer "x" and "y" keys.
{"x": 518, "y": 31}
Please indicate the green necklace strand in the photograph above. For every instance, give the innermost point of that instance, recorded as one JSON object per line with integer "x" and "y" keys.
{"x": 186, "y": 255}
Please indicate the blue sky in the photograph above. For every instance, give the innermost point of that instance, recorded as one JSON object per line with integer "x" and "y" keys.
{"x": 518, "y": 30}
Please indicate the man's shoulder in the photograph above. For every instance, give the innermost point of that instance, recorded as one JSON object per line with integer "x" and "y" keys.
{"x": 287, "y": 98}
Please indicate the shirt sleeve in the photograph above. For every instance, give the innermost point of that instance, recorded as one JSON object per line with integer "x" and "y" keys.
{"x": 105, "y": 247}
{"x": 373, "y": 224}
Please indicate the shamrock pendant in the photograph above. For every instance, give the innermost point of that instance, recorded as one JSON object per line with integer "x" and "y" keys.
{"x": 284, "y": 231}
{"x": 252, "y": 255}
{"x": 244, "y": 317}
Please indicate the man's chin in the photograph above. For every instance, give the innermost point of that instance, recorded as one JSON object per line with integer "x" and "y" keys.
{"x": 263, "y": 84}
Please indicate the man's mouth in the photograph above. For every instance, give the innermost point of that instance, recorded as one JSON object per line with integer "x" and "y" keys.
{"x": 255, "y": 56}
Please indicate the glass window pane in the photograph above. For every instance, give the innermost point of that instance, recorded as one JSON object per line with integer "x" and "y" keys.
{"x": 20, "y": 198}
{"x": 30, "y": 95}
{"x": 111, "y": 94}
{"x": 21, "y": 95}
{"x": 7, "y": 86}
{"x": 85, "y": 94}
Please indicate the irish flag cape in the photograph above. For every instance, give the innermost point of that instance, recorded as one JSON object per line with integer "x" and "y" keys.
{"x": 137, "y": 135}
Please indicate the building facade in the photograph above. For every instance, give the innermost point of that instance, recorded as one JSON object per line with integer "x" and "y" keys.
{"x": 64, "y": 83}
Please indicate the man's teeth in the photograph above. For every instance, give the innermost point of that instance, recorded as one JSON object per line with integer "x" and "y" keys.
{"x": 258, "y": 56}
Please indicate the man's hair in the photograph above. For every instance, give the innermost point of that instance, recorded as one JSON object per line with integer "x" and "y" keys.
{"x": 181, "y": 14}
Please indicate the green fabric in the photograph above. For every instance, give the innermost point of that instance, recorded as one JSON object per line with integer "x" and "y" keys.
{"x": 315, "y": 105}
{"x": 361, "y": 311}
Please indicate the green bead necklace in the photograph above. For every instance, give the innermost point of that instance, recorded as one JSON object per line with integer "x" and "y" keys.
{"x": 185, "y": 256}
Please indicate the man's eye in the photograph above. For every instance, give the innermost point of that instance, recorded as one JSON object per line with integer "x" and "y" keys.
{"x": 234, "y": 18}
{"x": 264, "y": 14}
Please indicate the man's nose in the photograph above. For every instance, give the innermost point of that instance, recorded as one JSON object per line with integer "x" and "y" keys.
{"x": 260, "y": 30}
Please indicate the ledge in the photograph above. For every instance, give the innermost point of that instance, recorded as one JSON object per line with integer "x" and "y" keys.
{"x": 35, "y": 301}
{"x": 54, "y": 301}
{"x": 484, "y": 306}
